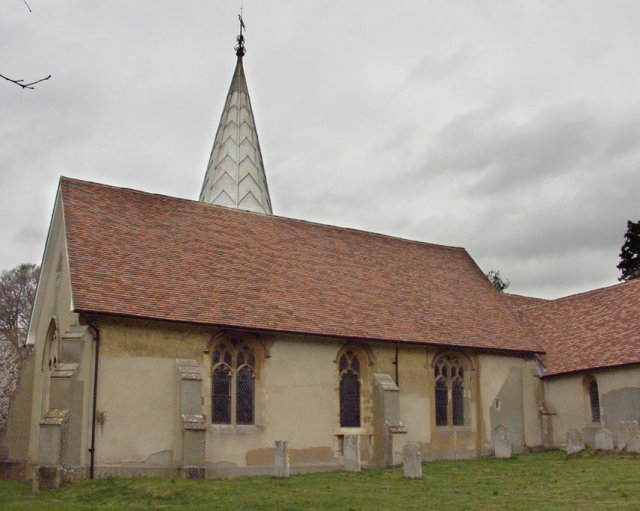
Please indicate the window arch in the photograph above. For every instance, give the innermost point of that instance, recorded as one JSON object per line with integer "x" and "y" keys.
{"x": 349, "y": 367}
{"x": 50, "y": 361}
{"x": 593, "y": 397}
{"x": 233, "y": 383}
{"x": 450, "y": 372}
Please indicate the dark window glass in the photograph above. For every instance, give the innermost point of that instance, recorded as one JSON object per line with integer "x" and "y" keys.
{"x": 457, "y": 405}
{"x": 349, "y": 400}
{"x": 221, "y": 400}
{"x": 245, "y": 396}
{"x": 442, "y": 402}
{"x": 595, "y": 400}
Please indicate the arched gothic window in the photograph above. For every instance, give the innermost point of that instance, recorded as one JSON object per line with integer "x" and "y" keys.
{"x": 591, "y": 388}
{"x": 233, "y": 384}
{"x": 51, "y": 352}
{"x": 349, "y": 367}
{"x": 50, "y": 361}
{"x": 450, "y": 373}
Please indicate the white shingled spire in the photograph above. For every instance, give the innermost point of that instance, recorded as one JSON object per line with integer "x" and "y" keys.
{"x": 235, "y": 174}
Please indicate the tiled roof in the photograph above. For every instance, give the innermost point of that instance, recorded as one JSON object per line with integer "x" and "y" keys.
{"x": 591, "y": 330}
{"x": 521, "y": 302}
{"x": 138, "y": 254}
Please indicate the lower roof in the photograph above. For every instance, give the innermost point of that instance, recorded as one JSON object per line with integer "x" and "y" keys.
{"x": 589, "y": 331}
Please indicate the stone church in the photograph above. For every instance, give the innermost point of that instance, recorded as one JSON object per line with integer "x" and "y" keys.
{"x": 180, "y": 337}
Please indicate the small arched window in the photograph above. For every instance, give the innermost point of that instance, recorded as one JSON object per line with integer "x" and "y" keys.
{"x": 450, "y": 372}
{"x": 349, "y": 367}
{"x": 233, "y": 384}
{"x": 591, "y": 388}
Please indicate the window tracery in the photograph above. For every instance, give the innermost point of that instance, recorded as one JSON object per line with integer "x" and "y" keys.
{"x": 591, "y": 388}
{"x": 233, "y": 383}
{"x": 450, "y": 373}
{"x": 350, "y": 379}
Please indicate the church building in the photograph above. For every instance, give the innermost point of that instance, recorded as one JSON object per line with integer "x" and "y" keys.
{"x": 176, "y": 337}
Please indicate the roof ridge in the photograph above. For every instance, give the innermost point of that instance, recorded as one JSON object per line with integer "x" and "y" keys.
{"x": 262, "y": 215}
{"x": 598, "y": 290}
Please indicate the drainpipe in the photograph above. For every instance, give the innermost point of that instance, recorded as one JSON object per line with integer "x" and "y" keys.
{"x": 395, "y": 363}
{"x": 92, "y": 449}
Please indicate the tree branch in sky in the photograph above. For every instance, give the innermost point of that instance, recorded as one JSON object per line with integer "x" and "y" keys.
{"x": 25, "y": 85}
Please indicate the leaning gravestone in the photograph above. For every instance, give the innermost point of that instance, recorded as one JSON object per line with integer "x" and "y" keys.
{"x": 501, "y": 441}
{"x": 411, "y": 461}
{"x": 352, "y": 453}
{"x": 627, "y": 432}
{"x": 575, "y": 443}
{"x": 281, "y": 459}
{"x": 604, "y": 440}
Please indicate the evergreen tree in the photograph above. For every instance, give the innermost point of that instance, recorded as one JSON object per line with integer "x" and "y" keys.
{"x": 629, "y": 265}
{"x": 497, "y": 280}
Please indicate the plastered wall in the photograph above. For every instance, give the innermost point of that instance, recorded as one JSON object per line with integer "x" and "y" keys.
{"x": 297, "y": 399}
{"x": 619, "y": 394}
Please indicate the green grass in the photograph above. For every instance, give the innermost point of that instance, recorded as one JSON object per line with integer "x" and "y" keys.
{"x": 549, "y": 480}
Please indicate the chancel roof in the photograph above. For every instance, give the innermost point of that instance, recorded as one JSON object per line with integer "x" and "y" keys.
{"x": 138, "y": 254}
{"x": 588, "y": 331}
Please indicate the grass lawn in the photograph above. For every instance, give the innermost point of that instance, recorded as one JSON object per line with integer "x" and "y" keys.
{"x": 549, "y": 480}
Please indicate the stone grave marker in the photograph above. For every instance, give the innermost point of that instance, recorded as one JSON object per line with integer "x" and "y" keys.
{"x": 352, "y": 453}
{"x": 575, "y": 443}
{"x": 411, "y": 461}
{"x": 627, "y": 432}
{"x": 604, "y": 440}
{"x": 281, "y": 459}
{"x": 501, "y": 441}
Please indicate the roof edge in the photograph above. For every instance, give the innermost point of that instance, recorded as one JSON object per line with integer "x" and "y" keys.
{"x": 590, "y": 369}
{"x": 313, "y": 334}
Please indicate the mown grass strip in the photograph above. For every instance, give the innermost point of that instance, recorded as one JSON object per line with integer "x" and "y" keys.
{"x": 549, "y": 480}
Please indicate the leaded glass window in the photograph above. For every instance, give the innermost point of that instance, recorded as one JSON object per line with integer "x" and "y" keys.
{"x": 233, "y": 384}
{"x": 450, "y": 384}
{"x": 442, "y": 402}
{"x": 594, "y": 399}
{"x": 349, "y": 366}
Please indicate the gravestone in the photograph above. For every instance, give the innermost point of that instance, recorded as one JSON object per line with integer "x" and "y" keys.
{"x": 281, "y": 459}
{"x": 411, "y": 461}
{"x": 634, "y": 445}
{"x": 604, "y": 440}
{"x": 352, "y": 453}
{"x": 575, "y": 443}
{"x": 628, "y": 431}
{"x": 501, "y": 441}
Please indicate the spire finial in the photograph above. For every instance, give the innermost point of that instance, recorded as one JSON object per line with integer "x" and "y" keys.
{"x": 240, "y": 51}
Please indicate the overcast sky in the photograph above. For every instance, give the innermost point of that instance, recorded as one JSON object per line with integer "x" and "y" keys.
{"x": 511, "y": 128}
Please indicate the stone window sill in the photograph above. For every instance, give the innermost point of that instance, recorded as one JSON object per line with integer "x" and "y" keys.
{"x": 448, "y": 430}
{"x": 351, "y": 431}
{"x": 230, "y": 429}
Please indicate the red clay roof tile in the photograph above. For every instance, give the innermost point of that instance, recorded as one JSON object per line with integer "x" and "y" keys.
{"x": 139, "y": 254}
{"x": 591, "y": 330}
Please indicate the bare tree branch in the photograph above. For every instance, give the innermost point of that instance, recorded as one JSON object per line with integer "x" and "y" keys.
{"x": 25, "y": 3}
{"x": 25, "y": 85}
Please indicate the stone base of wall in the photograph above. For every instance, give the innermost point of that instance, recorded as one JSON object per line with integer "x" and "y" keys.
{"x": 456, "y": 455}
{"x": 194, "y": 473}
{"x": 15, "y": 470}
{"x": 226, "y": 470}
{"x": 52, "y": 478}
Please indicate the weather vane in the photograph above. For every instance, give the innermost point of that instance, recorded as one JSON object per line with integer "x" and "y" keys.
{"x": 240, "y": 51}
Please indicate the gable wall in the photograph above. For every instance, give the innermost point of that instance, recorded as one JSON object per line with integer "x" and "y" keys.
{"x": 54, "y": 302}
